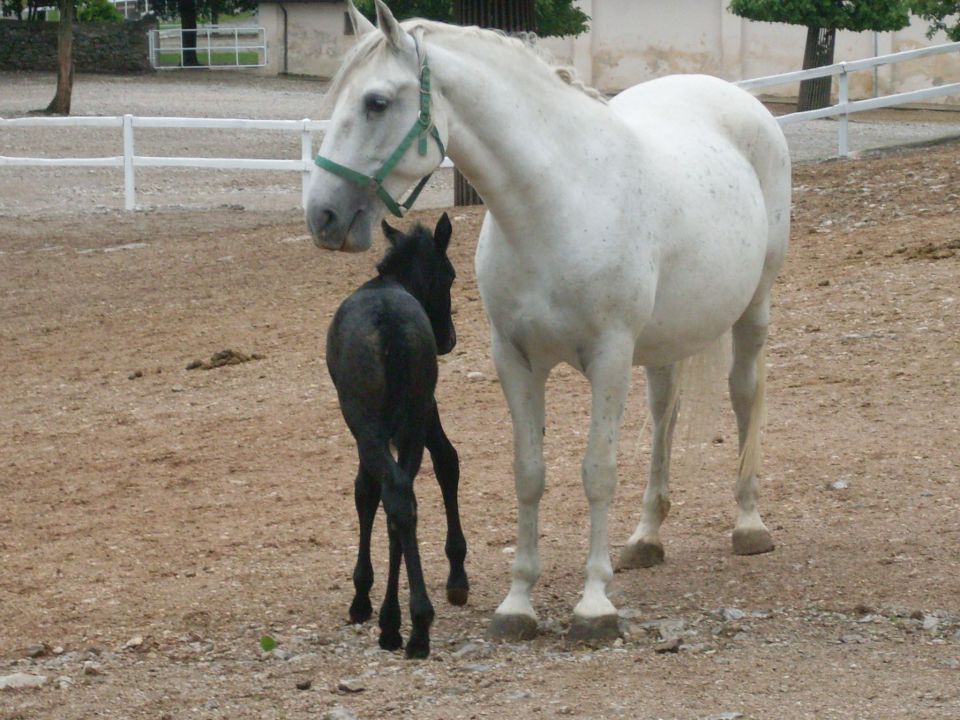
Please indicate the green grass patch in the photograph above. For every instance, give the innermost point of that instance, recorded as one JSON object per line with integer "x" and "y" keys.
{"x": 247, "y": 57}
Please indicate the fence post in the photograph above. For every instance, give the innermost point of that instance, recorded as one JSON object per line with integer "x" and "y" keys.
{"x": 844, "y": 101}
{"x": 306, "y": 154}
{"x": 129, "y": 181}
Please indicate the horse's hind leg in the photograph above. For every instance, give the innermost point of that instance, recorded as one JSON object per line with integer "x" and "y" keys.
{"x": 747, "y": 389}
{"x": 366, "y": 495}
{"x": 401, "y": 505}
{"x": 644, "y": 548}
{"x": 595, "y": 617}
{"x": 389, "y": 619}
{"x": 446, "y": 465}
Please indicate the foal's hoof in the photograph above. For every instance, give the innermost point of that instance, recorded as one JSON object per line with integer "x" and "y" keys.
{"x": 752, "y": 541}
{"x": 390, "y": 640}
{"x": 600, "y": 629}
{"x": 641, "y": 555}
{"x": 511, "y": 628}
{"x": 360, "y": 610}
{"x": 418, "y": 648}
{"x": 457, "y": 595}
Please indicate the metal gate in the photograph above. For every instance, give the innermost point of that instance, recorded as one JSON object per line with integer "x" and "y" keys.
{"x": 216, "y": 47}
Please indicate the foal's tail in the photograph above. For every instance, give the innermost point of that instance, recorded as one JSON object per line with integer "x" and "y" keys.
{"x": 749, "y": 463}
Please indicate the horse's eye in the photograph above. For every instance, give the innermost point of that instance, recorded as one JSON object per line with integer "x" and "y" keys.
{"x": 376, "y": 103}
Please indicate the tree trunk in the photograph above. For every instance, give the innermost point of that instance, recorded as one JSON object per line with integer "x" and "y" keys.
{"x": 188, "y": 40}
{"x": 60, "y": 105}
{"x": 508, "y": 15}
{"x": 815, "y": 94}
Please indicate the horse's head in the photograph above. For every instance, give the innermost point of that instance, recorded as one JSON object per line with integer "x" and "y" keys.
{"x": 419, "y": 262}
{"x": 385, "y": 133}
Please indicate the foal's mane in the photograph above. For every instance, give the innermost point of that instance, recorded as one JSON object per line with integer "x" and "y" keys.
{"x": 401, "y": 252}
{"x": 374, "y": 43}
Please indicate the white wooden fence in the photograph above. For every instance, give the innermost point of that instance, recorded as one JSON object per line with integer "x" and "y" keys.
{"x": 129, "y": 161}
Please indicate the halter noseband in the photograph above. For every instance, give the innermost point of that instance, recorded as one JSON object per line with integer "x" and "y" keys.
{"x": 422, "y": 127}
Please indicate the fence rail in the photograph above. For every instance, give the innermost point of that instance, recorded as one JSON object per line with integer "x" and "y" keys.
{"x": 129, "y": 161}
{"x": 845, "y": 107}
{"x": 220, "y": 46}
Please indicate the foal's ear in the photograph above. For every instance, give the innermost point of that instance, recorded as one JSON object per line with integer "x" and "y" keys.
{"x": 442, "y": 233}
{"x": 389, "y": 26}
{"x": 361, "y": 26}
{"x": 391, "y": 232}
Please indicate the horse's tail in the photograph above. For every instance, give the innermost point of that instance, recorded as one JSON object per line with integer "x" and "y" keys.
{"x": 749, "y": 463}
{"x": 702, "y": 379}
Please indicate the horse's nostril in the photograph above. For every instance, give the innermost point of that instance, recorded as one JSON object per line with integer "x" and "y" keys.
{"x": 327, "y": 218}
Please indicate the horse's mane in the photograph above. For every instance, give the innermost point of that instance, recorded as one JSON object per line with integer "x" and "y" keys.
{"x": 375, "y": 42}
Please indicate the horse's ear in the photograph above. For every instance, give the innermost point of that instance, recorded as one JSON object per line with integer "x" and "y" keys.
{"x": 389, "y": 26}
{"x": 442, "y": 233}
{"x": 361, "y": 26}
{"x": 391, "y": 233}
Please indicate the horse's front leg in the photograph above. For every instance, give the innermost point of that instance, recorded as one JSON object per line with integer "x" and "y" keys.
{"x": 608, "y": 369}
{"x": 366, "y": 495}
{"x": 446, "y": 465}
{"x": 644, "y": 548}
{"x": 524, "y": 387}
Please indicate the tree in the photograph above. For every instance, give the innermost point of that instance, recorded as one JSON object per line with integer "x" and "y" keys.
{"x": 552, "y": 17}
{"x": 60, "y": 105}
{"x": 941, "y": 14}
{"x": 98, "y": 11}
{"x": 823, "y": 18}
{"x": 190, "y": 11}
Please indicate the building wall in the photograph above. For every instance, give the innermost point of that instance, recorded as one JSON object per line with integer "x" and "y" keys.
{"x": 120, "y": 47}
{"x": 316, "y": 41}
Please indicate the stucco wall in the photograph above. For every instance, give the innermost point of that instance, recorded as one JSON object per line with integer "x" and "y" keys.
{"x": 315, "y": 37}
{"x": 97, "y": 47}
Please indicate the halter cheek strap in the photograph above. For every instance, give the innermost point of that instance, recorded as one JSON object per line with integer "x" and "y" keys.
{"x": 422, "y": 127}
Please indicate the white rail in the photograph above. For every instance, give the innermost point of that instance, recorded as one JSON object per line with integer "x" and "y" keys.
{"x": 129, "y": 161}
{"x": 209, "y": 40}
{"x": 845, "y": 107}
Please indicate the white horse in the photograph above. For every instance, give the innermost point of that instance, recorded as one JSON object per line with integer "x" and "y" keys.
{"x": 634, "y": 232}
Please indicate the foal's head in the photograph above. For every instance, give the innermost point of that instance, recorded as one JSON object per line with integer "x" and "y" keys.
{"x": 418, "y": 261}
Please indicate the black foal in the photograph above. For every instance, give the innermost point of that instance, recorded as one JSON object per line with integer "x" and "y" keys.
{"x": 382, "y": 351}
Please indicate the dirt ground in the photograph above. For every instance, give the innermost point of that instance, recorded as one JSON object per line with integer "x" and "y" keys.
{"x": 157, "y": 522}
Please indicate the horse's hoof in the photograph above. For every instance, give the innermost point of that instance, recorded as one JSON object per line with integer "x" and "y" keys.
{"x": 752, "y": 541}
{"x": 511, "y": 628}
{"x": 641, "y": 555}
{"x": 391, "y": 640}
{"x": 360, "y": 610}
{"x": 457, "y": 595}
{"x": 600, "y": 629}
{"x": 418, "y": 649}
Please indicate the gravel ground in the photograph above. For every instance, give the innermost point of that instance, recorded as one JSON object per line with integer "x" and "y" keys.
{"x": 191, "y": 94}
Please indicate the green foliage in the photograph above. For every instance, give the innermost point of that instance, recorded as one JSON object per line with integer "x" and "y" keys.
{"x": 856, "y": 15}
{"x": 941, "y": 14}
{"x": 554, "y": 17}
{"x": 267, "y": 643}
{"x": 97, "y": 11}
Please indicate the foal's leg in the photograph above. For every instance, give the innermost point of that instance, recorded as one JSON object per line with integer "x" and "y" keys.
{"x": 747, "y": 389}
{"x": 644, "y": 548}
{"x": 524, "y": 387}
{"x": 401, "y": 506}
{"x": 366, "y": 495}
{"x": 446, "y": 465}
{"x": 389, "y": 619}
{"x": 608, "y": 370}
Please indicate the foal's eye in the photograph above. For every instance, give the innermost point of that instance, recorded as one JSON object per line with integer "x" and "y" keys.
{"x": 376, "y": 103}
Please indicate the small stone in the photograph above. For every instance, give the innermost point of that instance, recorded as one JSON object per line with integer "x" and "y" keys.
{"x": 838, "y": 485}
{"x": 852, "y": 639}
{"x": 351, "y": 685}
{"x": 92, "y": 668}
{"x": 339, "y": 713}
{"x": 135, "y": 374}
{"x": 19, "y": 681}
{"x": 478, "y": 668}
{"x": 36, "y": 650}
{"x": 64, "y": 682}
{"x": 133, "y": 643}
{"x": 474, "y": 650}
{"x": 664, "y": 629}
{"x": 474, "y": 375}
{"x": 728, "y": 715}
{"x": 58, "y": 650}
{"x": 304, "y": 684}
{"x": 931, "y": 623}
{"x": 279, "y": 653}
{"x": 731, "y": 613}
{"x": 670, "y": 646}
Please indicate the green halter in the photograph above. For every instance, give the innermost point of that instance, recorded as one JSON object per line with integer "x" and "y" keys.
{"x": 422, "y": 127}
